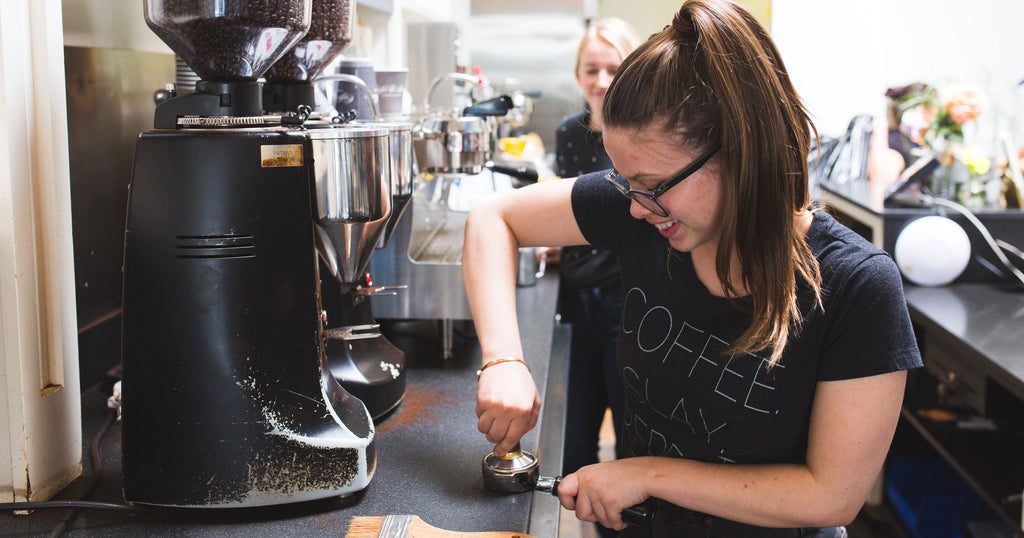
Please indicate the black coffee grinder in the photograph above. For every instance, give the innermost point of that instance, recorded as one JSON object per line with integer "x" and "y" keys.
{"x": 227, "y": 398}
{"x": 361, "y": 358}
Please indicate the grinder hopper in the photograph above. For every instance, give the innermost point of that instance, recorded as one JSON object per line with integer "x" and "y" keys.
{"x": 229, "y": 41}
{"x": 229, "y": 45}
{"x": 289, "y": 81}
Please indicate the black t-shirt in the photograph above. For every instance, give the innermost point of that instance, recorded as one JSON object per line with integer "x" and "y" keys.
{"x": 578, "y": 151}
{"x": 683, "y": 397}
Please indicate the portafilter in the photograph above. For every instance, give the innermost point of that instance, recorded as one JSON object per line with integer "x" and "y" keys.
{"x": 517, "y": 471}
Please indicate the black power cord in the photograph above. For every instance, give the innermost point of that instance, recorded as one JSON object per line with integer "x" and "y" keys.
{"x": 97, "y": 471}
{"x": 49, "y": 505}
{"x": 1011, "y": 270}
{"x": 73, "y": 506}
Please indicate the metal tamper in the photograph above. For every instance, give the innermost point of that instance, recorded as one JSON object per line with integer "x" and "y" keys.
{"x": 517, "y": 471}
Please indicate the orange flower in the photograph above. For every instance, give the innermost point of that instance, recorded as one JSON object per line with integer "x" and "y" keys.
{"x": 964, "y": 104}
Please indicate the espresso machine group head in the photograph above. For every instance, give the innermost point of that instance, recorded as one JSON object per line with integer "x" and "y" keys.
{"x": 227, "y": 397}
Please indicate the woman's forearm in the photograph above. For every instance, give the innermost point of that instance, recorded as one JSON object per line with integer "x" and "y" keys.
{"x": 507, "y": 402}
{"x": 489, "y": 258}
{"x": 770, "y": 495}
{"x": 852, "y": 425}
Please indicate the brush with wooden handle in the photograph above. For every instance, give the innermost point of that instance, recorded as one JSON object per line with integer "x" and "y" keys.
{"x": 405, "y": 526}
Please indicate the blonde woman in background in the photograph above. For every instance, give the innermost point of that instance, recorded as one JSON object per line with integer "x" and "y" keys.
{"x": 590, "y": 297}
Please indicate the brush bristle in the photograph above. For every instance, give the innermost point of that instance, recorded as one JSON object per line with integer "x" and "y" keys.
{"x": 365, "y": 527}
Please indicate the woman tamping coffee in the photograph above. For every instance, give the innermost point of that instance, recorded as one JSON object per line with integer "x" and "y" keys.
{"x": 763, "y": 345}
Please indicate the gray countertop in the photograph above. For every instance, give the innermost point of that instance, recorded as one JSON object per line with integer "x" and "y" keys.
{"x": 972, "y": 335}
{"x": 429, "y": 451}
{"x": 987, "y": 319}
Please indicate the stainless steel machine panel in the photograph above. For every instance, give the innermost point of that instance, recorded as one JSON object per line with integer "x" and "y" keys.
{"x": 425, "y": 251}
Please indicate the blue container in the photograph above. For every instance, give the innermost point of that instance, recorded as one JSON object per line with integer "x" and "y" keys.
{"x": 932, "y": 499}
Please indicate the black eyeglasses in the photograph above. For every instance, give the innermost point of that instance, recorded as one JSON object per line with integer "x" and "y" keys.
{"x": 649, "y": 199}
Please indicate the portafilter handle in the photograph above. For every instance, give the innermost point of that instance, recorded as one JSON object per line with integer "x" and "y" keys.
{"x": 636, "y": 516}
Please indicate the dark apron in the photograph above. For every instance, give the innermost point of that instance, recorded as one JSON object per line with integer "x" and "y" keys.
{"x": 671, "y": 521}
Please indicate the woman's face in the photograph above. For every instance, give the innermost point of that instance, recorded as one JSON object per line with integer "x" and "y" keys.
{"x": 598, "y": 63}
{"x": 647, "y": 158}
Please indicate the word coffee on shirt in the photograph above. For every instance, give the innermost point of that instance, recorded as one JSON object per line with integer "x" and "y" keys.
{"x": 681, "y": 385}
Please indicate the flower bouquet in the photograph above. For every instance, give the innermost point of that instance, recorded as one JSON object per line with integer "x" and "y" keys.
{"x": 936, "y": 118}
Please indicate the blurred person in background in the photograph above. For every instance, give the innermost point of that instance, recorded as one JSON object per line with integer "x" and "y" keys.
{"x": 590, "y": 296}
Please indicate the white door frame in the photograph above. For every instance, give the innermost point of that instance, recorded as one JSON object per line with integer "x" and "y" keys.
{"x": 40, "y": 400}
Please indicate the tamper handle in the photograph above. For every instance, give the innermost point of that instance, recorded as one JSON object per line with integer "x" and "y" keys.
{"x": 636, "y": 516}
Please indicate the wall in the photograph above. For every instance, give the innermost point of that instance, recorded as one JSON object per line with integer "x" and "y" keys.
{"x": 113, "y": 63}
{"x": 386, "y": 31}
{"x": 843, "y": 55}
{"x": 657, "y": 13}
{"x": 649, "y": 20}
{"x": 532, "y": 51}
{"x": 113, "y": 24}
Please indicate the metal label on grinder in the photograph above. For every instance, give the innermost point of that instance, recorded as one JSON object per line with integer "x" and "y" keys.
{"x": 281, "y": 155}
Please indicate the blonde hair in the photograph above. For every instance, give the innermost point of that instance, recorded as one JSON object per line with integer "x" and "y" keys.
{"x": 617, "y": 33}
{"x": 612, "y": 30}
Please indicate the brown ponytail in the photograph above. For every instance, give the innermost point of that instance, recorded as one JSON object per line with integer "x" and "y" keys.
{"x": 681, "y": 24}
{"x": 714, "y": 77}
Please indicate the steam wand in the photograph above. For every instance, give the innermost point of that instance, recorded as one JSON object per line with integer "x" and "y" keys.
{"x": 345, "y": 77}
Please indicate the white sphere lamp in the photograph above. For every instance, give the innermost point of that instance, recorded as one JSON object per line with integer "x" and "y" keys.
{"x": 932, "y": 251}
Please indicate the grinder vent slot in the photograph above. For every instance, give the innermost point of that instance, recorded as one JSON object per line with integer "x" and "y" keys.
{"x": 223, "y": 247}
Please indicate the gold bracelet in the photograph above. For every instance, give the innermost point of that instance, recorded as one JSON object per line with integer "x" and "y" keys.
{"x": 499, "y": 360}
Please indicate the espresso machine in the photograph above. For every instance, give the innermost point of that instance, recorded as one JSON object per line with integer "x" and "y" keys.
{"x": 453, "y": 144}
{"x": 227, "y": 397}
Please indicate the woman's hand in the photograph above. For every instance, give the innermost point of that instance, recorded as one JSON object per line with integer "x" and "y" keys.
{"x": 507, "y": 404}
{"x": 602, "y": 491}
